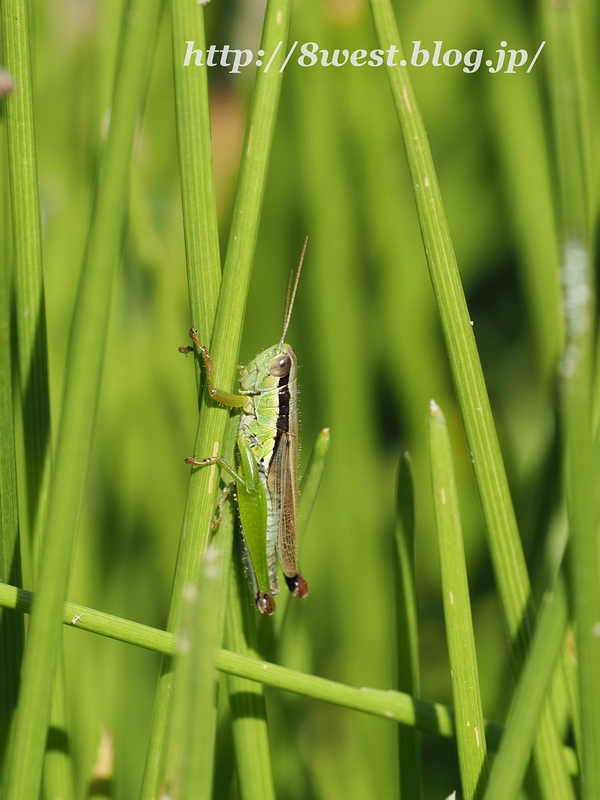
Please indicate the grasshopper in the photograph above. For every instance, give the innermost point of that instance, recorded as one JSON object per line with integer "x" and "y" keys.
{"x": 266, "y": 480}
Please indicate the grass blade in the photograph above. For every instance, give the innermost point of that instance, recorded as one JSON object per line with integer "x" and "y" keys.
{"x": 58, "y": 778}
{"x": 80, "y": 401}
{"x": 407, "y": 633}
{"x": 569, "y": 662}
{"x": 232, "y": 298}
{"x": 566, "y": 86}
{"x": 32, "y": 341}
{"x": 433, "y": 718}
{"x": 29, "y": 281}
{"x": 511, "y": 573}
{"x": 246, "y": 698}
{"x": 203, "y": 263}
{"x": 528, "y": 701}
{"x": 225, "y": 340}
{"x": 11, "y": 627}
{"x": 189, "y": 762}
{"x": 503, "y": 536}
{"x": 226, "y": 336}
{"x": 470, "y": 737}
{"x": 196, "y": 169}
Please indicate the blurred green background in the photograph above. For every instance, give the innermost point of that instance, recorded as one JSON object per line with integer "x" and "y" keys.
{"x": 368, "y": 340}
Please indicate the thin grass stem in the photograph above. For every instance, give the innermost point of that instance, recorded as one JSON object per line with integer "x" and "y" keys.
{"x": 196, "y": 167}
{"x": 189, "y": 762}
{"x": 433, "y": 718}
{"x": 407, "y": 632}
{"x": 11, "y": 627}
{"x": 246, "y": 698}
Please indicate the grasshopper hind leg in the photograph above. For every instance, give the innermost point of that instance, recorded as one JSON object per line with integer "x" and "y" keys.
{"x": 297, "y": 585}
{"x": 265, "y": 601}
{"x": 220, "y": 503}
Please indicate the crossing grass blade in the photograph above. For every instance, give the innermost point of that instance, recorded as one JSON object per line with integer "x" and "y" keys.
{"x": 528, "y": 701}
{"x": 83, "y": 378}
{"x": 503, "y": 536}
{"x": 407, "y": 633}
{"x": 433, "y": 718}
{"x": 470, "y": 736}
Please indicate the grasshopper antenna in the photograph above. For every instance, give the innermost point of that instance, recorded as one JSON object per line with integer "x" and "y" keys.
{"x": 287, "y": 296}
{"x": 289, "y": 301}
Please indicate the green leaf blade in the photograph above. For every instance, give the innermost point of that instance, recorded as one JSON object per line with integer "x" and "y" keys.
{"x": 407, "y": 633}
{"x": 470, "y": 736}
{"x": 528, "y": 701}
{"x": 189, "y": 761}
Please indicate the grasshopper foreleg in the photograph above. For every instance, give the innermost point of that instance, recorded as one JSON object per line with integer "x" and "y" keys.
{"x": 219, "y": 395}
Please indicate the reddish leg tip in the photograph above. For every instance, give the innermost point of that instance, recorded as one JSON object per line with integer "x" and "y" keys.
{"x": 297, "y": 585}
{"x": 265, "y": 603}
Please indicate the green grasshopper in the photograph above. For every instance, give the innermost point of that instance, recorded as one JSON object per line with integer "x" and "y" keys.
{"x": 266, "y": 482}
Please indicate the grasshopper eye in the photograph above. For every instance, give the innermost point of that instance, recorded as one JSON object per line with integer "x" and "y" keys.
{"x": 280, "y": 366}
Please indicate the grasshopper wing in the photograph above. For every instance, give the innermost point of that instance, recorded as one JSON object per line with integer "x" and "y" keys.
{"x": 283, "y": 485}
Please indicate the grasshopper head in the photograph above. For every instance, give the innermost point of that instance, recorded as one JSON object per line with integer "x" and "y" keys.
{"x": 282, "y": 360}
{"x": 268, "y": 368}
